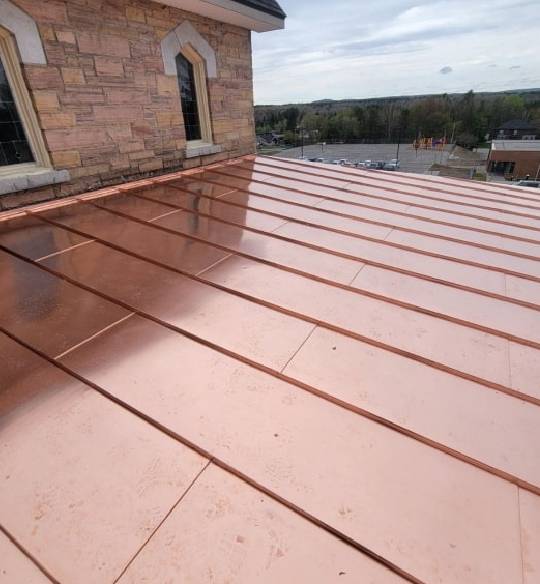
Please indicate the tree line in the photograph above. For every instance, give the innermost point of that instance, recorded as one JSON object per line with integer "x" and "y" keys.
{"x": 466, "y": 118}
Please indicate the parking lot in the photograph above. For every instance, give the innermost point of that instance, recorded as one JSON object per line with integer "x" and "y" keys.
{"x": 411, "y": 160}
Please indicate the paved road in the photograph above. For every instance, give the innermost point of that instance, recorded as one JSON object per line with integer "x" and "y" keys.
{"x": 411, "y": 161}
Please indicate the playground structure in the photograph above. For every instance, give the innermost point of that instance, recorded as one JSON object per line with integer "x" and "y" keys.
{"x": 430, "y": 143}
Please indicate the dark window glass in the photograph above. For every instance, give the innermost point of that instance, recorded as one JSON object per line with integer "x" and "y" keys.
{"x": 14, "y": 147}
{"x": 188, "y": 94}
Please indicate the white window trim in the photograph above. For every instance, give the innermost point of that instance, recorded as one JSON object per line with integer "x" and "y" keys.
{"x": 18, "y": 177}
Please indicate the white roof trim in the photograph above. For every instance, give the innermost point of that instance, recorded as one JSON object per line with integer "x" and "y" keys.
{"x": 230, "y": 12}
{"x": 25, "y": 31}
{"x": 516, "y": 145}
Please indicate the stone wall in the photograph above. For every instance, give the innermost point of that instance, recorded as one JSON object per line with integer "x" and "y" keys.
{"x": 108, "y": 111}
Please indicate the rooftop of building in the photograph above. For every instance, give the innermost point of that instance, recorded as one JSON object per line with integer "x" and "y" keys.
{"x": 516, "y": 145}
{"x": 272, "y": 371}
{"x": 269, "y": 6}
{"x": 517, "y": 124}
{"x": 256, "y": 15}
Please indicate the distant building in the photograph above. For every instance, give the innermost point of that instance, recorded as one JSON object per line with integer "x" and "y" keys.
{"x": 515, "y": 130}
{"x": 515, "y": 158}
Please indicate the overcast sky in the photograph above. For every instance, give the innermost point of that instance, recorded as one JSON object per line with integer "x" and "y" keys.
{"x": 358, "y": 48}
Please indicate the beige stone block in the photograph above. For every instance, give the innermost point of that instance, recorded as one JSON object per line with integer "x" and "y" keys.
{"x": 120, "y": 95}
{"x": 57, "y": 120}
{"x": 65, "y": 36}
{"x": 73, "y": 76}
{"x": 89, "y": 170}
{"x": 119, "y": 132}
{"x": 167, "y": 86}
{"x": 168, "y": 119}
{"x": 135, "y": 14}
{"x": 75, "y": 138}
{"x": 102, "y": 44}
{"x": 47, "y": 33}
{"x": 46, "y": 100}
{"x": 156, "y": 164}
{"x": 117, "y": 113}
{"x": 109, "y": 66}
{"x": 66, "y": 159}
{"x": 43, "y": 77}
{"x": 134, "y": 146}
{"x": 141, "y": 155}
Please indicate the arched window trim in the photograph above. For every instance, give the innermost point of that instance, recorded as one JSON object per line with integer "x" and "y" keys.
{"x": 10, "y": 59}
{"x": 201, "y": 90}
{"x": 185, "y": 39}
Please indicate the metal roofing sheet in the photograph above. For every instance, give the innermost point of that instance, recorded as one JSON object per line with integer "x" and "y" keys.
{"x": 272, "y": 370}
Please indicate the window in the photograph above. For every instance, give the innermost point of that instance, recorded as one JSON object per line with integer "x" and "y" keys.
{"x": 21, "y": 142}
{"x": 191, "y": 75}
{"x": 14, "y": 146}
{"x": 188, "y": 94}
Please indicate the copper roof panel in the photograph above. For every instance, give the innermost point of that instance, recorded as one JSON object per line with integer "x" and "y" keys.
{"x": 35, "y": 239}
{"x": 356, "y": 352}
{"x": 16, "y": 567}
{"x": 299, "y": 447}
{"x": 248, "y": 537}
{"x": 529, "y": 506}
{"x": 84, "y": 482}
{"x": 473, "y": 352}
{"x": 47, "y": 312}
{"x": 237, "y": 324}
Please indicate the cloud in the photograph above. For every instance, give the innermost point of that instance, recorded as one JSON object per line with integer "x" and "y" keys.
{"x": 515, "y": 67}
{"x": 376, "y": 49}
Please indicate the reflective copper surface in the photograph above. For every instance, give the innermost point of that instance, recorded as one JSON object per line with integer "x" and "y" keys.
{"x": 356, "y": 353}
{"x": 46, "y": 311}
{"x": 244, "y": 327}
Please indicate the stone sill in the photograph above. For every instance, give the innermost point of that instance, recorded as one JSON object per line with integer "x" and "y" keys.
{"x": 202, "y": 149}
{"x": 35, "y": 177}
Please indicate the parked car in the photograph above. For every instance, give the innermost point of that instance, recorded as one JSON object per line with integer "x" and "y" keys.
{"x": 392, "y": 165}
{"x": 535, "y": 184}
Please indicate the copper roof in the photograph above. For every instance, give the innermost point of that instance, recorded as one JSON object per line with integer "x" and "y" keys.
{"x": 272, "y": 371}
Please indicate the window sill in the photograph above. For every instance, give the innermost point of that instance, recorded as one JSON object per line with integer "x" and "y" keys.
{"x": 30, "y": 178}
{"x": 201, "y": 149}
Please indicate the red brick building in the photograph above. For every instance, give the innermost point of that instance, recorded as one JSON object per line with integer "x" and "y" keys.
{"x": 96, "y": 92}
{"x": 515, "y": 159}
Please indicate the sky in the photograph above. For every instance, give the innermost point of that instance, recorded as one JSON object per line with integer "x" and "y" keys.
{"x": 339, "y": 49}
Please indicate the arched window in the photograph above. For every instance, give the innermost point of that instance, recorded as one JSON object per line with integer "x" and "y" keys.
{"x": 189, "y": 57}
{"x": 21, "y": 142}
{"x": 191, "y": 73}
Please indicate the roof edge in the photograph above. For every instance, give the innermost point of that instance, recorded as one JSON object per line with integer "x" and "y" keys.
{"x": 248, "y": 14}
